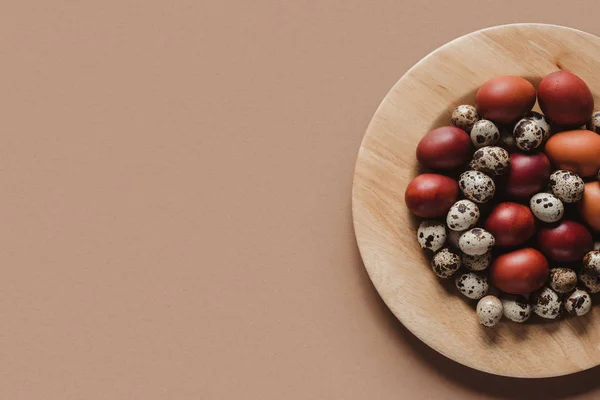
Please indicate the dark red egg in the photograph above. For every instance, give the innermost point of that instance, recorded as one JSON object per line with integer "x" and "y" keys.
{"x": 565, "y": 242}
{"x": 565, "y": 99}
{"x": 528, "y": 175}
{"x": 505, "y": 99}
{"x": 431, "y": 195}
{"x": 511, "y": 224}
{"x": 520, "y": 272}
{"x": 446, "y": 147}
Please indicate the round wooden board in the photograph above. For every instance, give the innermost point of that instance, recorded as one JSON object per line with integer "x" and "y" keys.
{"x": 421, "y": 100}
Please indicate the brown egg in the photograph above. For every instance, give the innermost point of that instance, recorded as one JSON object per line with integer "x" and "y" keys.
{"x": 446, "y": 147}
{"x": 565, "y": 99}
{"x": 511, "y": 224}
{"x": 520, "y": 272}
{"x": 589, "y": 206}
{"x": 505, "y": 98}
{"x": 565, "y": 242}
{"x": 577, "y": 151}
{"x": 431, "y": 195}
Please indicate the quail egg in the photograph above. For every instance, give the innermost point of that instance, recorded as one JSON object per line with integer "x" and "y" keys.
{"x": 541, "y": 121}
{"x": 567, "y": 186}
{"x": 431, "y": 235}
{"x": 547, "y": 207}
{"x": 489, "y": 310}
{"x": 464, "y": 117}
{"x": 445, "y": 263}
{"x": 594, "y": 123}
{"x": 453, "y": 237}
{"x": 491, "y": 160}
{"x": 578, "y": 303}
{"x": 484, "y": 133}
{"x": 528, "y": 135}
{"x": 477, "y": 263}
{"x": 516, "y": 308}
{"x": 546, "y": 303}
{"x": 463, "y": 215}
{"x": 591, "y": 262}
{"x": 477, "y": 186}
{"x": 476, "y": 242}
{"x": 472, "y": 285}
{"x": 590, "y": 281}
{"x": 562, "y": 280}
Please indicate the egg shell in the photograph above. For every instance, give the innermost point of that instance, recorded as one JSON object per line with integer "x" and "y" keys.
{"x": 489, "y": 310}
{"x": 476, "y": 242}
{"x": 484, "y": 133}
{"x": 431, "y": 235}
{"x": 516, "y": 308}
{"x": 528, "y": 135}
{"x": 562, "y": 280}
{"x": 472, "y": 285}
{"x": 463, "y": 215}
{"x": 565, "y": 99}
{"x": 491, "y": 160}
{"x": 575, "y": 151}
{"x": 529, "y": 174}
{"x": 567, "y": 186}
{"x": 445, "y": 263}
{"x": 464, "y": 117}
{"x": 477, "y": 186}
{"x": 446, "y": 147}
{"x": 505, "y": 99}
{"x": 476, "y": 263}
{"x": 566, "y": 241}
{"x": 591, "y": 262}
{"x": 589, "y": 206}
{"x": 546, "y": 207}
{"x": 542, "y": 122}
{"x": 590, "y": 281}
{"x": 431, "y": 195}
{"x": 519, "y": 272}
{"x": 511, "y": 224}
{"x": 547, "y": 303}
{"x": 578, "y": 303}
{"x": 454, "y": 237}
{"x": 594, "y": 123}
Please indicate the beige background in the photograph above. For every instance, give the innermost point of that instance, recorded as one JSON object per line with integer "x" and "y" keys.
{"x": 175, "y": 210}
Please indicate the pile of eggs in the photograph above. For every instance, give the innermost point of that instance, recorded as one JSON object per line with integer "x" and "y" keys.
{"x": 511, "y": 199}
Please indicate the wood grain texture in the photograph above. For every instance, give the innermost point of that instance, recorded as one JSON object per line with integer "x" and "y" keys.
{"x": 423, "y": 99}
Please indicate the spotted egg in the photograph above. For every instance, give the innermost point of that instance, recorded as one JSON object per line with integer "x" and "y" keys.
{"x": 477, "y": 186}
{"x": 431, "y": 235}
{"x": 476, "y": 242}
{"x": 594, "y": 123}
{"x": 516, "y": 308}
{"x": 464, "y": 117}
{"x": 546, "y": 207}
{"x": 484, "y": 133}
{"x": 591, "y": 262}
{"x": 472, "y": 285}
{"x": 578, "y": 303}
{"x": 463, "y": 215}
{"x": 491, "y": 160}
{"x": 590, "y": 281}
{"x": 445, "y": 263}
{"x": 567, "y": 186}
{"x": 562, "y": 280}
{"x": 542, "y": 122}
{"x": 489, "y": 310}
{"x": 546, "y": 303}
{"x": 528, "y": 135}
{"x": 477, "y": 263}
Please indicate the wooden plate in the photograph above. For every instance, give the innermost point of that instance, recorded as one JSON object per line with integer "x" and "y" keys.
{"x": 421, "y": 100}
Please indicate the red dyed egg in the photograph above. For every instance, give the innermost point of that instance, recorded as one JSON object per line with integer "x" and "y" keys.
{"x": 511, "y": 224}
{"x": 520, "y": 272}
{"x": 431, "y": 195}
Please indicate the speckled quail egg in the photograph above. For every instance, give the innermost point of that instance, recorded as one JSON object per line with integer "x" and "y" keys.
{"x": 454, "y": 237}
{"x": 477, "y": 263}
{"x": 463, "y": 215}
{"x": 528, "y": 135}
{"x": 542, "y": 122}
{"x": 431, "y": 235}
{"x": 491, "y": 160}
{"x": 489, "y": 310}
{"x": 476, "y": 242}
{"x": 578, "y": 303}
{"x": 464, "y": 117}
{"x": 445, "y": 263}
{"x": 477, "y": 186}
{"x": 594, "y": 122}
{"x": 472, "y": 285}
{"x": 590, "y": 281}
{"x": 562, "y": 280}
{"x": 547, "y": 207}
{"x": 516, "y": 308}
{"x": 567, "y": 186}
{"x": 546, "y": 303}
{"x": 596, "y": 245}
{"x": 484, "y": 133}
{"x": 591, "y": 262}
